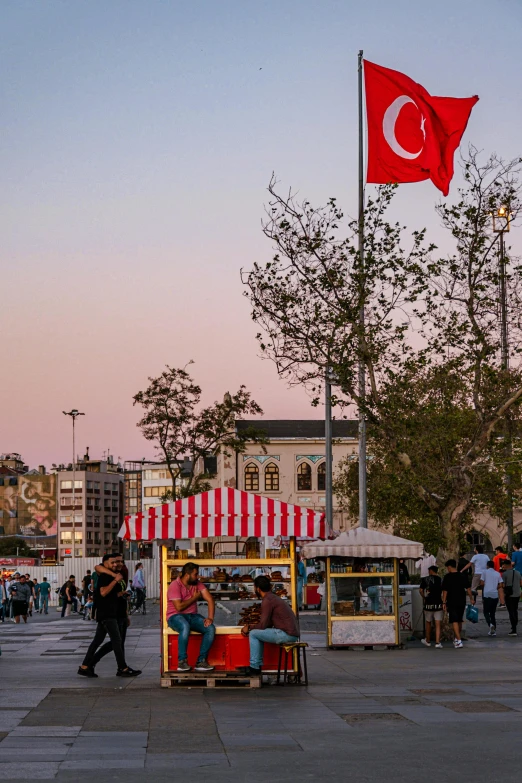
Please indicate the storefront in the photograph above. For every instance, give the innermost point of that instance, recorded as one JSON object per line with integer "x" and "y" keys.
{"x": 215, "y": 514}
{"x": 362, "y": 585}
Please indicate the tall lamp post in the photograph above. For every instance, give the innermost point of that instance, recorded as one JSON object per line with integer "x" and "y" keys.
{"x": 501, "y": 224}
{"x": 73, "y": 414}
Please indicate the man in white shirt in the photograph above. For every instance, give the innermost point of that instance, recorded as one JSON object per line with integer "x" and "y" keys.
{"x": 424, "y": 564}
{"x": 479, "y": 561}
{"x": 493, "y": 589}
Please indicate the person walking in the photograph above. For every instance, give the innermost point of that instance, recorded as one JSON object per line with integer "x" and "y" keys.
{"x": 34, "y": 599}
{"x": 138, "y": 584}
{"x": 108, "y": 590}
{"x": 512, "y": 579}
{"x": 516, "y": 558}
{"x": 500, "y": 555}
{"x": 122, "y": 611}
{"x": 44, "y": 589}
{"x": 431, "y": 592}
{"x": 479, "y": 561}
{"x": 68, "y": 593}
{"x": 492, "y": 590}
{"x": 21, "y": 595}
{"x": 454, "y": 589}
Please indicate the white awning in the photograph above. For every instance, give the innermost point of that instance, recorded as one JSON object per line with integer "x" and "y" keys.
{"x": 362, "y": 542}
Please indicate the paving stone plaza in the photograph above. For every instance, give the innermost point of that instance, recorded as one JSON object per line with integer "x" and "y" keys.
{"x": 374, "y": 715}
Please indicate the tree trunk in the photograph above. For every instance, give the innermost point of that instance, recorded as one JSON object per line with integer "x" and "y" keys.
{"x": 451, "y": 518}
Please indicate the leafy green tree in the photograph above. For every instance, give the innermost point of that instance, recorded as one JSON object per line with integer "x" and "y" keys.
{"x": 438, "y": 396}
{"x": 11, "y": 545}
{"x": 184, "y": 433}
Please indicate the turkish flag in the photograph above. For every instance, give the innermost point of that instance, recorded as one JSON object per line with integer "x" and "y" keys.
{"x": 412, "y": 135}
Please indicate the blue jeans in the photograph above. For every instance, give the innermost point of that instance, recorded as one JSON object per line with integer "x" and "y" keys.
{"x": 184, "y": 624}
{"x": 300, "y": 591}
{"x": 44, "y": 601}
{"x": 257, "y": 639}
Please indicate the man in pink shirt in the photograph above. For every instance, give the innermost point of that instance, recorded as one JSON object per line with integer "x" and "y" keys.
{"x": 182, "y": 616}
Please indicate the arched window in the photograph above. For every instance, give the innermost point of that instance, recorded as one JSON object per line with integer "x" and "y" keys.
{"x": 304, "y": 477}
{"x": 474, "y": 537}
{"x": 321, "y": 477}
{"x": 252, "y": 478}
{"x": 271, "y": 478}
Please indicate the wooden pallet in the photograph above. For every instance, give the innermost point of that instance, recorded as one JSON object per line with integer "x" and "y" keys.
{"x": 209, "y": 680}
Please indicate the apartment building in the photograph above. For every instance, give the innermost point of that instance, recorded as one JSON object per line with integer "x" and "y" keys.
{"x": 88, "y": 527}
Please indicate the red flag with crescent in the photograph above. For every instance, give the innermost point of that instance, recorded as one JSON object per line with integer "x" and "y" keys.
{"x": 412, "y": 135}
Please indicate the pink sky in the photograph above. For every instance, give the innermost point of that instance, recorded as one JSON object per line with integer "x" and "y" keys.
{"x": 136, "y": 148}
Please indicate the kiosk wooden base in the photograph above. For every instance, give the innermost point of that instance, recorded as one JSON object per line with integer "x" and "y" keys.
{"x": 215, "y": 679}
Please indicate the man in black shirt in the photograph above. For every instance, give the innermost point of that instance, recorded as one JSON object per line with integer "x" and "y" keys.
{"x": 109, "y": 589}
{"x": 431, "y": 592}
{"x": 454, "y": 588}
{"x": 122, "y": 609}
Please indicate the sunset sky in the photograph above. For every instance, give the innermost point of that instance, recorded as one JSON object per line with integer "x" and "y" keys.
{"x": 137, "y": 140}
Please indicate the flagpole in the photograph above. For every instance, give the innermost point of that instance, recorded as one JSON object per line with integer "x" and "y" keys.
{"x": 363, "y": 509}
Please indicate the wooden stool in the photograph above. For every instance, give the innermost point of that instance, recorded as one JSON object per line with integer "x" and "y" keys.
{"x": 289, "y": 647}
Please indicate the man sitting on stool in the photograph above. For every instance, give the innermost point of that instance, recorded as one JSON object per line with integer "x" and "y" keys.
{"x": 277, "y": 624}
{"x": 182, "y": 616}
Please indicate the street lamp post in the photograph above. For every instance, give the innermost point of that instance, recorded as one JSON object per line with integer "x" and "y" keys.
{"x": 501, "y": 224}
{"x": 73, "y": 414}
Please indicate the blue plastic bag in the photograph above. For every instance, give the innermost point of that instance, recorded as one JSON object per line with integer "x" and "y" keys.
{"x": 472, "y": 613}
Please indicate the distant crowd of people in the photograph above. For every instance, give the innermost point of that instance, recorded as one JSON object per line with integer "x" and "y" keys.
{"x": 21, "y": 595}
{"x": 498, "y": 578}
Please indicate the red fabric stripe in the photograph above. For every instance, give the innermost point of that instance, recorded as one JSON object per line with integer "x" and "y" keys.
{"x": 243, "y": 520}
{"x": 297, "y": 522}
{"x": 204, "y": 515}
{"x": 257, "y": 516}
{"x": 127, "y": 534}
{"x": 150, "y": 527}
{"x": 218, "y": 512}
{"x": 310, "y": 517}
{"x": 191, "y": 533}
{"x": 139, "y": 526}
{"x": 165, "y": 520}
{"x": 284, "y": 520}
{"x": 270, "y": 521}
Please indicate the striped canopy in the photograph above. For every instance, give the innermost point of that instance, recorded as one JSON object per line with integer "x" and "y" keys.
{"x": 362, "y": 542}
{"x": 224, "y": 512}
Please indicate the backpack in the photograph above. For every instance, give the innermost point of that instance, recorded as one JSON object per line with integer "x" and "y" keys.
{"x": 63, "y": 588}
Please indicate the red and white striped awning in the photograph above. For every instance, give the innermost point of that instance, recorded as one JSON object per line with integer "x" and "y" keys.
{"x": 224, "y": 512}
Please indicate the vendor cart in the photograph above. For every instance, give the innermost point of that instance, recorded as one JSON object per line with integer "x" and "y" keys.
{"x": 362, "y": 586}
{"x": 225, "y": 512}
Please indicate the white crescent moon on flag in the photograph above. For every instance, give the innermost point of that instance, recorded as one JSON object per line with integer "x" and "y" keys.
{"x": 388, "y": 127}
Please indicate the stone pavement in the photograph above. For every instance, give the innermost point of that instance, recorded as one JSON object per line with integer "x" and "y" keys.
{"x": 394, "y": 715}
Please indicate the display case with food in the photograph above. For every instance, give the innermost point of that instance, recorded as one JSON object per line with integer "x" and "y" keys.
{"x": 362, "y": 586}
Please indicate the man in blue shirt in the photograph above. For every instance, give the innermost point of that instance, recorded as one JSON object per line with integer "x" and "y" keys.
{"x": 44, "y": 588}
{"x": 516, "y": 558}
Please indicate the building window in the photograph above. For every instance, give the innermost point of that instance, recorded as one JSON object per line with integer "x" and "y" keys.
{"x": 154, "y": 475}
{"x": 271, "y": 478}
{"x": 304, "y": 477}
{"x": 252, "y": 478}
{"x": 66, "y": 537}
{"x": 153, "y": 492}
{"x": 78, "y": 484}
{"x": 321, "y": 477}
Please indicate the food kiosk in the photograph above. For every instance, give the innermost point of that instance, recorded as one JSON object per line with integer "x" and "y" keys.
{"x": 225, "y": 512}
{"x": 362, "y": 586}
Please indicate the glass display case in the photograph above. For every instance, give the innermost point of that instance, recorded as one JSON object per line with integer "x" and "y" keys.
{"x": 362, "y": 601}
{"x": 230, "y": 581}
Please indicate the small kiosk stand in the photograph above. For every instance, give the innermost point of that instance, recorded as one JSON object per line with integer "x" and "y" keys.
{"x": 218, "y": 514}
{"x": 362, "y": 586}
